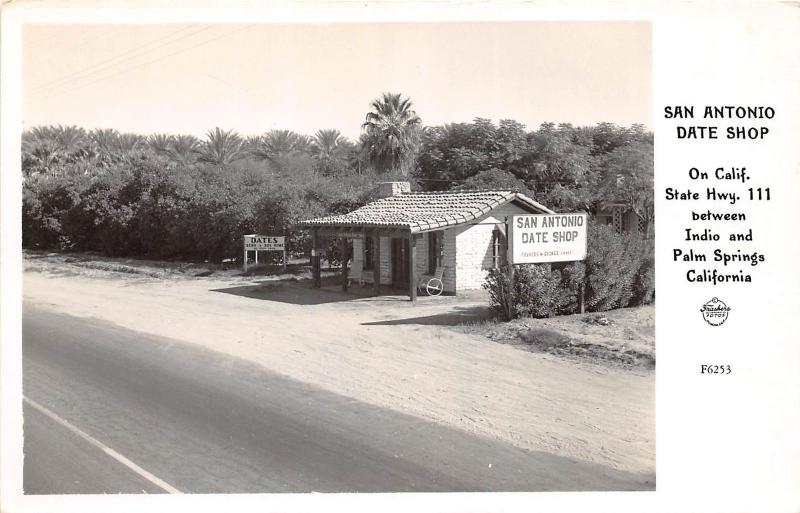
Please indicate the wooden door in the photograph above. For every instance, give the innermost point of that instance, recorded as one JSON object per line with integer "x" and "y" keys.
{"x": 400, "y": 250}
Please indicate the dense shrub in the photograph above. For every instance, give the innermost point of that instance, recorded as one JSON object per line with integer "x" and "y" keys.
{"x": 538, "y": 291}
{"x": 617, "y": 272}
{"x": 151, "y": 207}
{"x": 612, "y": 262}
{"x": 44, "y": 204}
{"x": 502, "y": 298}
{"x": 644, "y": 284}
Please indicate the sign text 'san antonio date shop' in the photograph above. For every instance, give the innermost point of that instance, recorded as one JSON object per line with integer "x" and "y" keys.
{"x": 544, "y": 238}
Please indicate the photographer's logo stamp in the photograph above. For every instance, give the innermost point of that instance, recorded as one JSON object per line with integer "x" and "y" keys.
{"x": 715, "y": 312}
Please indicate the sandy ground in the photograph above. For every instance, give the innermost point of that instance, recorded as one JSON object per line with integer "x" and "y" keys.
{"x": 385, "y": 351}
{"x": 623, "y": 337}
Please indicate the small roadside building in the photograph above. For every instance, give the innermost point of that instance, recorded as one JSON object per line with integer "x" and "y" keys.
{"x": 404, "y": 235}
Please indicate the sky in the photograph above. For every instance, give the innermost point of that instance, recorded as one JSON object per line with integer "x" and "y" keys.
{"x": 171, "y": 78}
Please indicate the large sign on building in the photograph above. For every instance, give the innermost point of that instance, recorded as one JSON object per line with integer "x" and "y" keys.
{"x": 264, "y": 243}
{"x": 535, "y": 239}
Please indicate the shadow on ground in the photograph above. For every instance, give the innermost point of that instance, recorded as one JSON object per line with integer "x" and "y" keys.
{"x": 453, "y": 317}
{"x": 301, "y": 293}
{"x": 291, "y": 293}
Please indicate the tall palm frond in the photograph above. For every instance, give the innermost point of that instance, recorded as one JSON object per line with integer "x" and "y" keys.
{"x": 45, "y": 147}
{"x": 326, "y": 143}
{"x": 221, "y": 147}
{"x": 394, "y": 132}
{"x": 160, "y": 143}
{"x": 251, "y": 143}
{"x": 70, "y": 139}
{"x": 184, "y": 149}
{"x": 275, "y": 143}
{"x": 276, "y": 146}
{"x": 331, "y": 152}
{"x": 302, "y": 144}
{"x": 104, "y": 141}
{"x": 128, "y": 143}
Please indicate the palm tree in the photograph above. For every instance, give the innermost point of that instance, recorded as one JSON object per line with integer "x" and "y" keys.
{"x": 71, "y": 142}
{"x": 331, "y": 152}
{"x": 302, "y": 144}
{"x": 184, "y": 149}
{"x": 110, "y": 145}
{"x": 221, "y": 147}
{"x": 327, "y": 144}
{"x": 69, "y": 139}
{"x": 359, "y": 158}
{"x": 104, "y": 141}
{"x": 39, "y": 153}
{"x": 393, "y": 134}
{"x": 276, "y": 146}
{"x": 128, "y": 143}
{"x": 251, "y": 144}
{"x": 160, "y": 143}
{"x": 45, "y": 147}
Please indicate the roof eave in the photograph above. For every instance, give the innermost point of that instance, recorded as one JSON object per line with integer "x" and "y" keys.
{"x": 535, "y": 204}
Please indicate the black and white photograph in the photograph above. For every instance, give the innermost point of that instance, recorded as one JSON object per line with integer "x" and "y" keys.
{"x": 306, "y": 256}
{"x": 338, "y": 258}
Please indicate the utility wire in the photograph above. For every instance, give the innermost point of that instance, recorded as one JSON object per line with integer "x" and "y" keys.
{"x": 103, "y": 66}
{"x": 73, "y": 44}
{"x": 246, "y": 27}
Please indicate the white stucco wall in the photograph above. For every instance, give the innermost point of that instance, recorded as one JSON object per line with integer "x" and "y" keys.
{"x": 473, "y": 249}
{"x": 358, "y": 261}
{"x": 467, "y": 252}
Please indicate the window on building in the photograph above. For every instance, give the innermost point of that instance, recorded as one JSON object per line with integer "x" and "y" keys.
{"x": 498, "y": 249}
{"x": 605, "y": 220}
{"x": 617, "y": 213}
{"x": 435, "y": 250}
{"x": 369, "y": 252}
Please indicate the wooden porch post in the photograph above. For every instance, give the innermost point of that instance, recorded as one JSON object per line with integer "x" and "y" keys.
{"x": 376, "y": 265}
{"x": 285, "y": 254}
{"x": 343, "y": 251}
{"x": 412, "y": 268}
{"x": 316, "y": 279}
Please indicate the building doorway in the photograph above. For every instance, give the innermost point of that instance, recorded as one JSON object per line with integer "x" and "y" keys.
{"x": 400, "y": 250}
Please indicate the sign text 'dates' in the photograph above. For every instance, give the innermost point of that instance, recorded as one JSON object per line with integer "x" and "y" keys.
{"x": 264, "y": 243}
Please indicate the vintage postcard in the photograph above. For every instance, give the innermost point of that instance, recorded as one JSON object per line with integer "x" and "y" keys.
{"x": 318, "y": 255}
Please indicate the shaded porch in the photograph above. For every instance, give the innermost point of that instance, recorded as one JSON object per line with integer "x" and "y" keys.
{"x": 370, "y": 273}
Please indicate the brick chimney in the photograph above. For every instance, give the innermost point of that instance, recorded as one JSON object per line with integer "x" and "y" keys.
{"x": 386, "y": 189}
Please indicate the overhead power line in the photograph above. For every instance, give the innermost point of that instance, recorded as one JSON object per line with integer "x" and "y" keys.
{"x": 39, "y": 46}
{"x": 105, "y": 65}
{"x": 227, "y": 34}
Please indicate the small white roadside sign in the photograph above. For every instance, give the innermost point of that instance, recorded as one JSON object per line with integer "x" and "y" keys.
{"x": 264, "y": 243}
{"x": 535, "y": 239}
{"x": 258, "y": 243}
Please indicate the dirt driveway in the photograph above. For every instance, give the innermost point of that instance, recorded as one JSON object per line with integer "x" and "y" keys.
{"x": 384, "y": 351}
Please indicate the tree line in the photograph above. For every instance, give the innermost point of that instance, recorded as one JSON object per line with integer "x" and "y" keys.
{"x": 182, "y": 197}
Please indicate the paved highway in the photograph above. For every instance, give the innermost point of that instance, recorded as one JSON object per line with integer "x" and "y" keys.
{"x": 108, "y": 410}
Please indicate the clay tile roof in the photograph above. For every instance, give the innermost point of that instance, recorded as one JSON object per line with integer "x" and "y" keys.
{"x": 424, "y": 211}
